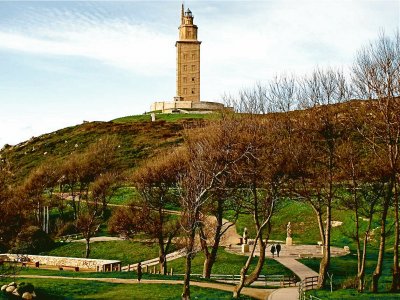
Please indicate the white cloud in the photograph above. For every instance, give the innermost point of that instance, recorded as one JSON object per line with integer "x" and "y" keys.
{"x": 125, "y": 46}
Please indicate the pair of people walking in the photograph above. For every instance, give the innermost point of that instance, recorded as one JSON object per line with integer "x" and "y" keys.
{"x": 276, "y": 248}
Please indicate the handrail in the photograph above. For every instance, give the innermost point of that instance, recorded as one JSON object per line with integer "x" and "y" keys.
{"x": 284, "y": 280}
{"x": 308, "y": 283}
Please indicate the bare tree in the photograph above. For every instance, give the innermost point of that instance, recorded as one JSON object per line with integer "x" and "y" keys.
{"x": 156, "y": 182}
{"x": 213, "y": 153}
{"x": 211, "y": 231}
{"x": 87, "y": 224}
{"x": 263, "y": 175}
{"x": 358, "y": 176}
{"x": 317, "y": 91}
{"x": 252, "y": 100}
{"x": 81, "y": 169}
{"x": 376, "y": 74}
{"x": 129, "y": 221}
{"x": 282, "y": 93}
{"x": 103, "y": 188}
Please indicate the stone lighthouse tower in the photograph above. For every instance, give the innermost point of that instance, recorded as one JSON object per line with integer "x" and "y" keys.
{"x": 187, "y": 99}
{"x": 187, "y": 60}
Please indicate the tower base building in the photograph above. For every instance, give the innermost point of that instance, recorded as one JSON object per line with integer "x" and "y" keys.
{"x": 186, "y": 107}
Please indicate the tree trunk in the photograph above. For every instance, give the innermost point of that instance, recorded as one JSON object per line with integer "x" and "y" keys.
{"x": 361, "y": 272}
{"x": 74, "y": 203}
{"x": 207, "y": 255}
{"x": 188, "y": 265}
{"x": 379, "y": 264}
{"x": 210, "y": 257}
{"x": 320, "y": 222}
{"x": 324, "y": 265}
{"x": 104, "y": 206}
{"x": 260, "y": 263}
{"x": 162, "y": 258}
{"x": 87, "y": 248}
{"x": 238, "y": 288}
{"x": 357, "y": 233}
{"x": 210, "y": 260}
{"x": 246, "y": 280}
{"x": 162, "y": 253}
{"x": 395, "y": 274}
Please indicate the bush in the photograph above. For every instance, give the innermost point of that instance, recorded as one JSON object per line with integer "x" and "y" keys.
{"x": 25, "y": 287}
{"x": 67, "y": 229}
{"x": 349, "y": 283}
{"x": 32, "y": 240}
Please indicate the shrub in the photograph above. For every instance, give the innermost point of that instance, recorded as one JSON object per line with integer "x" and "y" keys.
{"x": 32, "y": 240}
{"x": 66, "y": 229}
{"x": 25, "y": 287}
{"x": 349, "y": 283}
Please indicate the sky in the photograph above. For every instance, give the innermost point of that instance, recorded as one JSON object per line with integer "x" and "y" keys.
{"x": 65, "y": 62}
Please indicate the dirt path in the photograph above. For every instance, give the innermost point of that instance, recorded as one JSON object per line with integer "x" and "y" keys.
{"x": 99, "y": 239}
{"x": 260, "y": 294}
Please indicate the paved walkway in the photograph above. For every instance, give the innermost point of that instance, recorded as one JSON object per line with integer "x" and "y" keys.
{"x": 301, "y": 270}
{"x": 260, "y": 294}
{"x": 288, "y": 256}
{"x": 290, "y": 293}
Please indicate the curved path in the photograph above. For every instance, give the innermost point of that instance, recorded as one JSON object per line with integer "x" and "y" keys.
{"x": 301, "y": 270}
{"x": 255, "y": 293}
{"x": 288, "y": 258}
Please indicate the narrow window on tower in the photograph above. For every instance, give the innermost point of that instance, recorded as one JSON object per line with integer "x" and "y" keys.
{"x": 192, "y": 78}
{"x": 184, "y": 56}
{"x": 193, "y": 56}
{"x": 184, "y": 80}
{"x": 185, "y": 68}
{"x": 193, "y": 68}
{"x": 193, "y": 91}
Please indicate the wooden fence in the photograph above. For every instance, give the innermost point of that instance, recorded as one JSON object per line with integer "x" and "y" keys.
{"x": 308, "y": 283}
{"x": 281, "y": 280}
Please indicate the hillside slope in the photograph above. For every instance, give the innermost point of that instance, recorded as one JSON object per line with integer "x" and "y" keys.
{"x": 138, "y": 139}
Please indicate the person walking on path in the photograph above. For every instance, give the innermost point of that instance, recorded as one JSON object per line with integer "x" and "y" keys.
{"x": 273, "y": 251}
{"x": 139, "y": 271}
{"x": 278, "y": 249}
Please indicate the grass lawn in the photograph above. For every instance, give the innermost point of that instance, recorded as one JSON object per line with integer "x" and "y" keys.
{"x": 304, "y": 224}
{"x": 228, "y": 263}
{"x": 351, "y": 294}
{"x": 125, "y": 251}
{"x": 51, "y": 289}
{"x": 70, "y": 273}
{"x": 344, "y": 269}
{"x": 124, "y": 195}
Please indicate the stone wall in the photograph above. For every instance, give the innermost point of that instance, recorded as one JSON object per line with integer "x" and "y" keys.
{"x": 82, "y": 263}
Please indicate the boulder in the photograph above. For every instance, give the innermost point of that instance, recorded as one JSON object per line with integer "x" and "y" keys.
{"x": 12, "y": 284}
{"x": 3, "y": 288}
{"x": 15, "y": 293}
{"x": 10, "y": 289}
{"x": 27, "y": 296}
{"x": 33, "y": 294}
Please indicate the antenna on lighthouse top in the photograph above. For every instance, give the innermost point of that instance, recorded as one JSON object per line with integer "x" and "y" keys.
{"x": 182, "y": 12}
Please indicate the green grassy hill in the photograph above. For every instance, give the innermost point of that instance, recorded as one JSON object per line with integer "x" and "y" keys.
{"x": 138, "y": 138}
